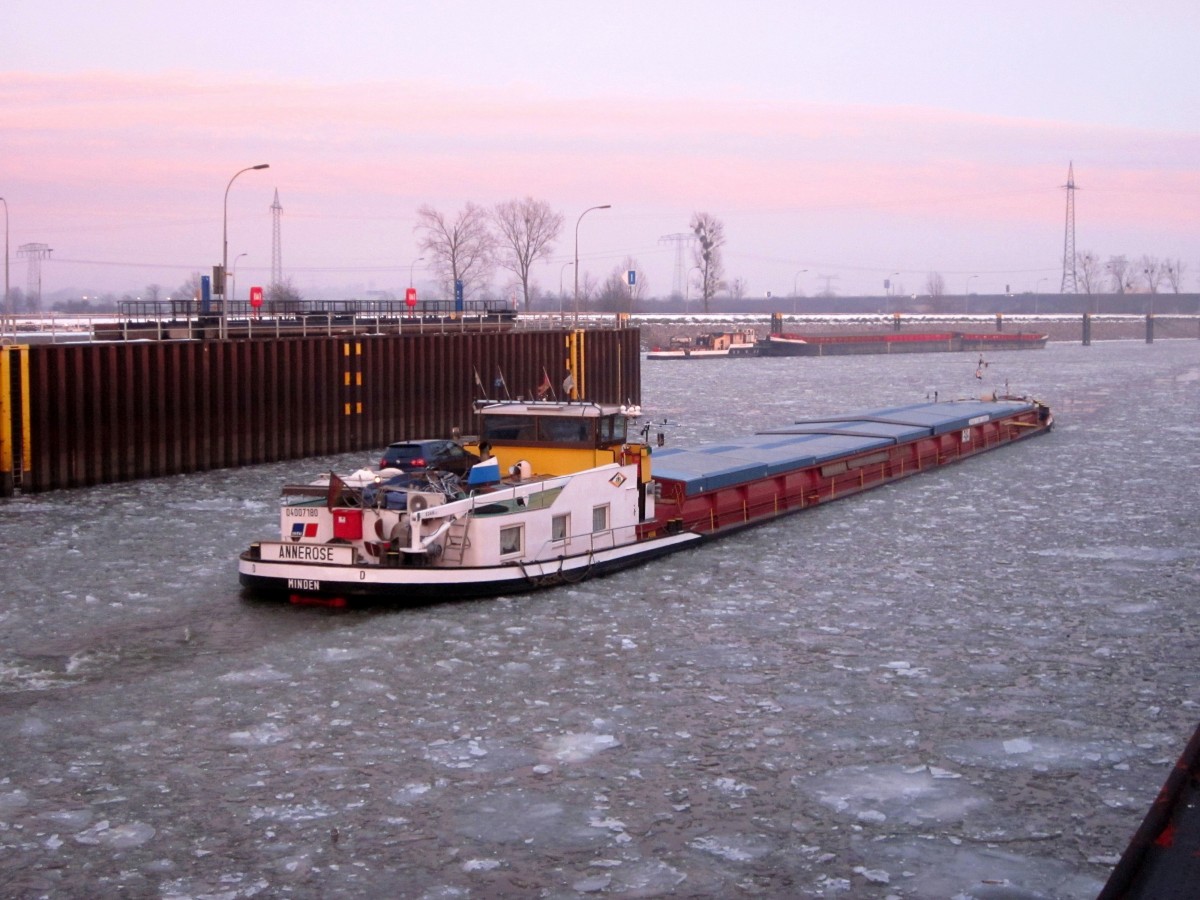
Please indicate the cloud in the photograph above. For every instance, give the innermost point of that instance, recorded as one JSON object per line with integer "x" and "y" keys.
{"x": 106, "y": 158}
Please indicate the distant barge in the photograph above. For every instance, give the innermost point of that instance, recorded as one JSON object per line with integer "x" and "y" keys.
{"x": 789, "y": 344}
{"x": 566, "y": 491}
{"x": 713, "y": 345}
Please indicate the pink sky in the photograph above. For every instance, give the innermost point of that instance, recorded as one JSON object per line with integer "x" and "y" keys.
{"x": 943, "y": 149}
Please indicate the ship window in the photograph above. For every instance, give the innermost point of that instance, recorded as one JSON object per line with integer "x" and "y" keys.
{"x": 560, "y": 527}
{"x": 511, "y": 539}
{"x": 508, "y": 428}
{"x": 612, "y": 429}
{"x": 566, "y": 430}
{"x": 600, "y": 518}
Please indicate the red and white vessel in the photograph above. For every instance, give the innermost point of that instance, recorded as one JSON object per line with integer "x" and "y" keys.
{"x": 569, "y": 491}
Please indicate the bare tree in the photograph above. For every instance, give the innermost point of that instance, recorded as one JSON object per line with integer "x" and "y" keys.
{"x": 1175, "y": 271}
{"x": 737, "y": 288}
{"x": 284, "y": 296}
{"x": 588, "y": 288}
{"x": 614, "y": 292}
{"x": 1118, "y": 272}
{"x": 706, "y": 253}
{"x": 527, "y": 230}
{"x": 190, "y": 288}
{"x": 461, "y": 250}
{"x": 1151, "y": 270}
{"x": 1088, "y": 271}
{"x": 935, "y": 284}
{"x": 617, "y": 294}
{"x": 153, "y": 292}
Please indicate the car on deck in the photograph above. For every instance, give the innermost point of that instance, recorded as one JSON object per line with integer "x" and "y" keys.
{"x": 420, "y": 456}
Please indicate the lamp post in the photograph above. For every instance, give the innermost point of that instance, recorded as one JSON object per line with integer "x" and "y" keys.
{"x": 233, "y": 276}
{"x": 410, "y": 269}
{"x": 967, "y": 294}
{"x": 560, "y": 287}
{"x": 225, "y": 246}
{"x": 577, "y": 221}
{"x": 795, "y": 281}
{"x": 7, "y": 310}
{"x": 891, "y": 291}
{"x": 1037, "y": 295}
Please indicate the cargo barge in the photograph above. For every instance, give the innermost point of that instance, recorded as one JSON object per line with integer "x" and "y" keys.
{"x": 568, "y": 491}
{"x": 791, "y": 344}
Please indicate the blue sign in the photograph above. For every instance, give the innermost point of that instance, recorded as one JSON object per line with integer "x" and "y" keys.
{"x": 632, "y": 277}
{"x": 458, "y": 295}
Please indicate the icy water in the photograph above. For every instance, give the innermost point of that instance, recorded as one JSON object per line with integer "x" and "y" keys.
{"x": 967, "y": 685}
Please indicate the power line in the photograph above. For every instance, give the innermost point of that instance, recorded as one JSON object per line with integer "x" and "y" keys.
{"x": 681, "y": 239}
{"x": 276, "y": 243}
{"x": 1068, "y": 276}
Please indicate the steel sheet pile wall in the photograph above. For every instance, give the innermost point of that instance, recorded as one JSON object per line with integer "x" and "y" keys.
{"x": 115, "y": 412}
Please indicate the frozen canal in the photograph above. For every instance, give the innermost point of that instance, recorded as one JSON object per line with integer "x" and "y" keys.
{"x": 967, "y": 685}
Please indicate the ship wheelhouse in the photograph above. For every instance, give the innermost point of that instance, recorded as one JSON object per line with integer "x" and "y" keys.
{"x": 557, "y": 438}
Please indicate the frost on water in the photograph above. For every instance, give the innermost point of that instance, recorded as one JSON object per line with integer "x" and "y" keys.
{"x": 968, "y": 684}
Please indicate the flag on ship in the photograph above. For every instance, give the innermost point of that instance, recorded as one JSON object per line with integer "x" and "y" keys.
{"x": 545, "y": 387}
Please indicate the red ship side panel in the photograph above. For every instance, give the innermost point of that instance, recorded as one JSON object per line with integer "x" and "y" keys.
{"x": 738, "y": 505}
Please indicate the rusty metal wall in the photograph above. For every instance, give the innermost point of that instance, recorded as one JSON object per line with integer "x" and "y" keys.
{"x": 101, "y": 413}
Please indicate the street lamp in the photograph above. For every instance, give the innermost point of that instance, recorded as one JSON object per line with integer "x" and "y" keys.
{"x": 577, "y": 221}
{"x": 795, "y": 280}
{"x": 560, "y": 287}
{"x": 410, "y": 269}
{"x": 7, "y": 310}
{"x": 1037, "y": 295}
{"x": 967, "y": 294}
{"x": 233, "y": 276}
{"x": 225, "y": 245}
{"x": 891, "y": 290}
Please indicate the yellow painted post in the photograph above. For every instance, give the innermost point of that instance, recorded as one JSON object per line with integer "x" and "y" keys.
{"x": 26, "y": 415}
{"x": 14, "y": 360}
{"x": 581, "y": 364}
{"x": 6, "y": 447}
{"x": 575, "y": 363}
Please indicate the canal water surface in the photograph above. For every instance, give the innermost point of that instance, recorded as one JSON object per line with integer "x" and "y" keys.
{"x": 968, "y": 684}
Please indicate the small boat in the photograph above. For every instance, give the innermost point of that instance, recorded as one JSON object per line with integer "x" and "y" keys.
{"x": 789, "y": 344}
{"x": 573, "y": 490}
{"x": 713, "y": 345}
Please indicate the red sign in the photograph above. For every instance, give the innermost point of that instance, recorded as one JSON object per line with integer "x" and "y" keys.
{"x": 256, "y": 297}
{"x": 410, "y": 296}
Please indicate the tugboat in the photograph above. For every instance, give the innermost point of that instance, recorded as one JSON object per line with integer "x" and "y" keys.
{"x": 572, "y": 490}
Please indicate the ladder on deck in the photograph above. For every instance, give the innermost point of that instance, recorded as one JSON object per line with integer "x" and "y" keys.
{"x": 457, "y": 540}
